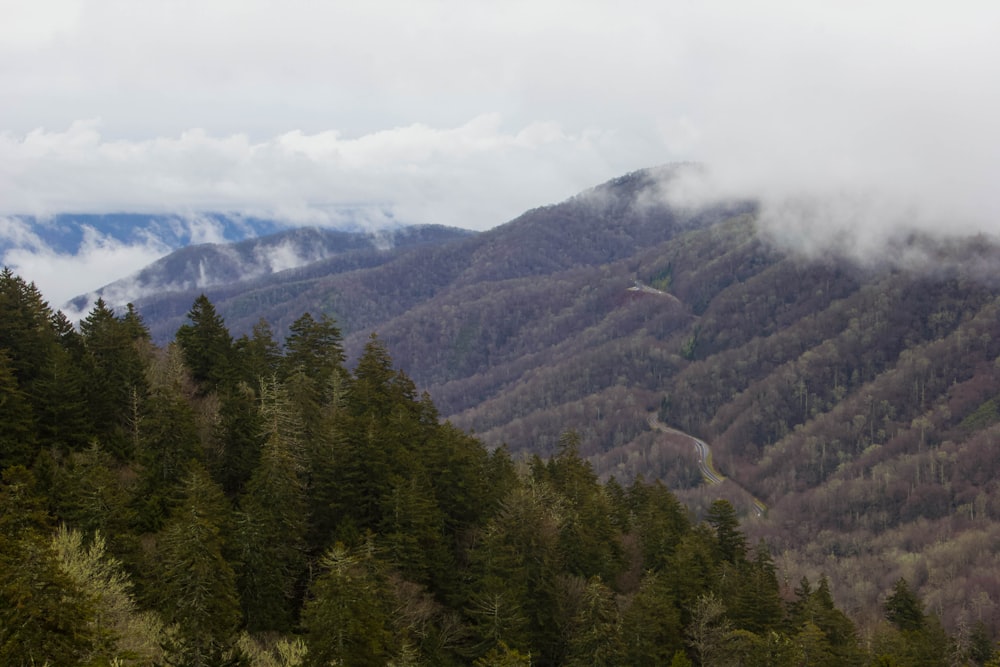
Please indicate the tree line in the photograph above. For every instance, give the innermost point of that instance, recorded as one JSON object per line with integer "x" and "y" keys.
{"x": 221, "y": 501}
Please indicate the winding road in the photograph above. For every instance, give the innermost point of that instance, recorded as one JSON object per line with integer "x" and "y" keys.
{"x": 709, "y": 473}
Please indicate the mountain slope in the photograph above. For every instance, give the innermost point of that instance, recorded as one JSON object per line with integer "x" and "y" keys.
{"x": 255, "y": 272}
{"x": 860, "y": 403}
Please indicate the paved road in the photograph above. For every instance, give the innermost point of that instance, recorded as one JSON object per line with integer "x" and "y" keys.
{"x": 708, "y": 470}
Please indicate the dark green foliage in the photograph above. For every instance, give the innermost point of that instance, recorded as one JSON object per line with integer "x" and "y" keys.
{"x": 167, "y": 441}
{"x": 273, "y": 524}
{"x": 197, "y": 587}
{"x": 730, "y": 543}
{"x": 236, "y": 439}
{"x": 43, "y": 616}
{"x": 207, "y": 346}
{"x": 259, "y": 355}
{"x": 65, "y": 420}
{"x": 116, "y": 377}
{"x": 757, "y": 605}
{"x": 336, "y": 506}
{"x": 651, "y": 624}
{"x": 347, "y": 618}
{"x": 92, "y": 496}
{"x": 17, "y": 437}
{"x": 903, "y": 608}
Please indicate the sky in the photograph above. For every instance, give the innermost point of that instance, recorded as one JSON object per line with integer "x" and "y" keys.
{"x": 848, "y": 120}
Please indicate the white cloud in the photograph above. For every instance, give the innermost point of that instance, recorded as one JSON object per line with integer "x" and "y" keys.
{"x": 98, "y": 261}
{"x": 418, "y": 174}
{"x": 467, "y": 113}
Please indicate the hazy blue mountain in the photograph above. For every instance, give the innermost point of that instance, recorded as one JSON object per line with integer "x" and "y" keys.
{"x": 65, "y": 232}
{"x": 254, "y": 261}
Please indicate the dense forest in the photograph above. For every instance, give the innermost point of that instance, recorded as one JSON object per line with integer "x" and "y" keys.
{"x": 221, "y": 501}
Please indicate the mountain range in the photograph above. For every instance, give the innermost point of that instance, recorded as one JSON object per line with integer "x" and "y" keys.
{"x": 64, "y": 233}
{"x": 859, "y": 403}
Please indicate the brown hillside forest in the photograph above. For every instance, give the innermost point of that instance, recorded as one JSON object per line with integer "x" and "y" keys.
{"x": 253, "y": 478}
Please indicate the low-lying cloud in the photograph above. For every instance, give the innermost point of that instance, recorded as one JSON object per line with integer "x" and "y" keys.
{"x": 100, "y": 259}
{"x": 850, "y": 122}
{"x": 476, "y": 175}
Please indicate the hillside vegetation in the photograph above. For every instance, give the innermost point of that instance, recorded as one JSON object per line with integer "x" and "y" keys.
{"x": 859, "y": 402}
{"x": 249, "y": 502}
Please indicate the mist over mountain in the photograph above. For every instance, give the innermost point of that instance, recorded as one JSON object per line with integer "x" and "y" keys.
{"x": 67, "y": 254}
{"x": 199, "y": 267}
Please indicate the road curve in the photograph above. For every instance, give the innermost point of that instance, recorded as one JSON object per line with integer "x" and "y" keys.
{"x": 708, "y": 470}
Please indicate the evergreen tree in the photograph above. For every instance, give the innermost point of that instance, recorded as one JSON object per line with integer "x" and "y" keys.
{"x": 17, "y": 437}
{"x": 517, "y": 563}
{"x": 197, "y": 584}
{"x": 597, "y": 636}
{"x": 92, "y": 497}
{"x": 903, "y": 608}
{"x": 168, "y": 441}
{"x": 258, "y": 355}
{"x": 236, "y": 440}
{"x": 44, "y": 616}
{"x": 65, "y": 422}
{"x": 834, "y": 624}
{"x": 730, "y": 543}
{"x": 651, "y": 624}
{"x": 116, "y": 372}
{"x": 347, "y": 618}
{"x": 658, "y": 519}
{"x": 314, "y": 347}
{"x": 207, "y": 346}
{"x": 589, "y": 542}
{"x": 26, "y": 330}
{"x": 756, "y": 605}
{"x": 691, "y": 573}
{"x": 273, "y": 524}
{"x": 413, "y": 529}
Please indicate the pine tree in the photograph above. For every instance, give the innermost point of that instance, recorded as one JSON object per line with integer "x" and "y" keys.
{"x": 596, "y": 639}
{"x": 18, "y": 436}
{"x": 197, "y": 584}
{"x": 207, "y": 346}
{"x": 413, "y": 529}
{"x": 26, "y": 328}
{"x": 730, "y": 543}
{"x": 347, "y": 618}
{"x": 273, "y": 523}
{"x": 92, "y": 497}
{"x": 756, "y": 605}
{"x": 651, "y": 624}
{"x": 589, "y": 542}
{"x": 64, "y": 419}
{"x": 167, "y": 441}
{"x": 659, "y": 519}
{"x": 116, "y": 372}
{"x": 903, "y": 608}
{"x": 259, "y": 355}
{"x": 44, "y": 616}
{"x": 314, "y": 347}
{"x": 236, "y": 440}
{"x": 517, "y": 562}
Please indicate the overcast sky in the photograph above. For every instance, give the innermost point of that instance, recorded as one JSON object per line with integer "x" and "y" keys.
{"x": 468, "y": 112}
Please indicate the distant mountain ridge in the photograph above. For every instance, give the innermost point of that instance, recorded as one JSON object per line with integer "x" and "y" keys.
{"x": 65, "y": 232}
{"x": 197, "y": 268}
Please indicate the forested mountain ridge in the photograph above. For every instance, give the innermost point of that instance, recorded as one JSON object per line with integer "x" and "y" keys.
{"x": 249, "y": 502}
{"x": 858, "y": 401}
{"x": 167, "y": 285}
